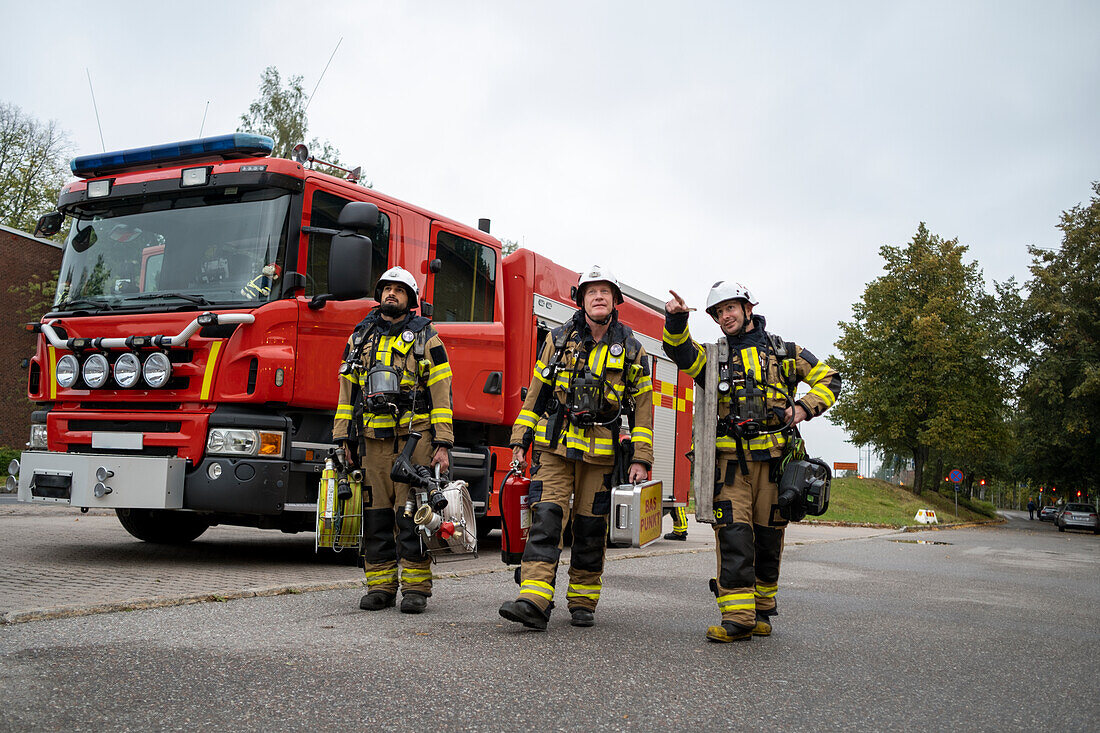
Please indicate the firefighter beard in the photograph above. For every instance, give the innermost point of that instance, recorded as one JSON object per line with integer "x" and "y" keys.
{"x": 589, "y": 485}
{"x": 748, "y": 535}
{"x": 384, "y": 513}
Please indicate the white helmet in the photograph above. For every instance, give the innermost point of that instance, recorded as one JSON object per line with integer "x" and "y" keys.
{"x": 597, "y": 274}
{"x": 723, "y": 290}
{"x": 400, "y": 276}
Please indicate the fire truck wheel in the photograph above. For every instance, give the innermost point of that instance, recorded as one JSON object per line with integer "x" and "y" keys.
{"x": 485, "y": 525}
{"x": 162, "y": 527}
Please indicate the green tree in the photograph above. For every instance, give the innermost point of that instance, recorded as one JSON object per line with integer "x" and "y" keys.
{"x": 1059, "y": 394}
{"x": 915, "y": 358}
{"x": 508, "y": 246}
{"x": 35, "y": 295}
{"x": 280, "y": 113}
{"x": 32, "y": 167}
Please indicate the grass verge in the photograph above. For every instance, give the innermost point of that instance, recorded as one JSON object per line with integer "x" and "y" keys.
{"x": 871, "y": 501}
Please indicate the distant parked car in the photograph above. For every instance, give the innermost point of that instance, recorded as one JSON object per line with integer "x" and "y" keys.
{"x": 1047, "y": 513}
{"x": 1077, "y": 516}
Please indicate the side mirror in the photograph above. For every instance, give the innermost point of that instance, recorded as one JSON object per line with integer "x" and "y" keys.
{"x": 359, "y": 215}
{"x": 349, "y": 265}
{"x": 426, "y": 309}
{"x": 435, "y": 265}
{"x": 49, "y": 224}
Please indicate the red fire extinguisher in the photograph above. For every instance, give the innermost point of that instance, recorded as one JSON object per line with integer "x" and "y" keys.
{"x": 515, "y": 516}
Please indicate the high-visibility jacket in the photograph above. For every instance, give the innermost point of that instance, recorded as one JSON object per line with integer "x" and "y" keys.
{"x": 620, "y": 362}
{"x": 414, "y": 348}
{"x": 755, "y": 352}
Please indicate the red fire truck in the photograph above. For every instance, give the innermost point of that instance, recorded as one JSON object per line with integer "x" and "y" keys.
{"x": 186, "y": 374}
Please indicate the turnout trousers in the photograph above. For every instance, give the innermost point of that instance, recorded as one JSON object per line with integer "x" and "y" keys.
{"x": 556, "y": 480}
{"x": 387, "y": 533}
{"x": 749, "y": 539}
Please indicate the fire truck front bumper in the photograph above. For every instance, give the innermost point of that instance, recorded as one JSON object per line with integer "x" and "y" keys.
{"x": 228, "y": 485}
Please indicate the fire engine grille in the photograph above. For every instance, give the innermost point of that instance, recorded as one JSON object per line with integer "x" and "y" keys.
{"x": 127, "y": 426}
{"x": 164, "y": 451}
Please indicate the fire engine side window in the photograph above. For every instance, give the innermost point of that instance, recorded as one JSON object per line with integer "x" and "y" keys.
{"x": 465, "y": 287}
{"x": 325, "y": 213}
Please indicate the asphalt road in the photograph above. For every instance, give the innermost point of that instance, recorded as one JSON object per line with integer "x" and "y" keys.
{"x": 997, "y": 629}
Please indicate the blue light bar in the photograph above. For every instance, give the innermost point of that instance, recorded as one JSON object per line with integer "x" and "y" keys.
{"x": 235, "y": 145}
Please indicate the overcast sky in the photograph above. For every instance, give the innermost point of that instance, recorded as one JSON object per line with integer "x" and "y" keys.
{"x": 678, "y": 143}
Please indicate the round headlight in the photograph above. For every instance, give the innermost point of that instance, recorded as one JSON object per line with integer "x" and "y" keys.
{"x": 96, "y": 370}
{"x": 157, "y": 369}
{"x": 67, "y": 370}
{"x": 127, "y": 370}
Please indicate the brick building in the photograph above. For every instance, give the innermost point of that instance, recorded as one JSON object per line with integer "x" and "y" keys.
{"x": 23, "y": 256}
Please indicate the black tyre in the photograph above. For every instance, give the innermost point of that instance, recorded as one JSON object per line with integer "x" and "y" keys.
{"x": 485, "y": 525}
{"x": 161, "y": 526}
{"x": 1061, "y": 528}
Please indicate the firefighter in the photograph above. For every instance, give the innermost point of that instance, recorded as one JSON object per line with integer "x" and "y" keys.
{"x": 748, "y": 526}
{"x": 394, "y": 376}
{"x": 591, "y": 372}
{"x": 679, "y": 524}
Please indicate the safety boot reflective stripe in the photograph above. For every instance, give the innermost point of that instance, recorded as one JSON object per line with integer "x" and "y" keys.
{"x": 537, "y": 588}
{"x": 736, "y": 602}
{"x": 766, "y": 591}
{"x": 584, "y": 591}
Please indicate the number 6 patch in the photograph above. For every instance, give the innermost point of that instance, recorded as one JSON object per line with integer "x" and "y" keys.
{"x": 723, "y": 512}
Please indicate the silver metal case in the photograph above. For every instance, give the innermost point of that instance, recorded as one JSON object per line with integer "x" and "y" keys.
{"x": 636, "y": 511}
{"x": 70, "y": 478}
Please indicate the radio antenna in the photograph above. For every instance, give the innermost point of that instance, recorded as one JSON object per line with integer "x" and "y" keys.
{"x": 308, "y": 101}
{"x": 98, "y": 123}
{"x": 203, "y": 125}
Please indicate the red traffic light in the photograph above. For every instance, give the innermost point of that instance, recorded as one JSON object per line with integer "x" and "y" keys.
{"x": 1078, "y": 493}
{"x": 982, "y": 482}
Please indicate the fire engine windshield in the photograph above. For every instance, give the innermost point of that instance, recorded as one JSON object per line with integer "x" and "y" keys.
{"x": 193, "y": 251}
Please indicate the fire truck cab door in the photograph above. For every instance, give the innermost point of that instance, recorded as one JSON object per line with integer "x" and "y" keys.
{"x": 468, "y": 311}
{"x": 324, "y": 331}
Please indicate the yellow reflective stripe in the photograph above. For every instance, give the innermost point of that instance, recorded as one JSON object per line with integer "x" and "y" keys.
{"x": 824, "y": 393}
{"x": 675, "y": 339}
{"x": 583, "y": 591}
{"x": 441, "y": 414}
{"x": 381, "y": 577}
{"x": 414, "y": 574}
{"x": 642, "y": 435}
{"x": 344, "y": 412}
{"x": 597, "y": 359}
{"x": 766, "y": 591}
{"x": 439, "y": 373}
{"x": 351, "y": 378}
{"x": 817, "y": 373}
{"x": 750, "y": 358}
{"x": 400, "y": 345}
{"x": 381, "y": 573}
{"x": 539, "y": 366}
{"x": 527, "y": 418}
{"x": 51, "y": 370}
{"x": 379, "y": 421}
{"x": 736, "y": 601}
{"x": 643, "y": 385}
{"x": 698, "y": 364}
{"x": 537, "y": 588}
{"x": 208, "y": 375}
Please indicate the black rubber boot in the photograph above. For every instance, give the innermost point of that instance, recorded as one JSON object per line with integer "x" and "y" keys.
{"x": 526, "y": 613}
{"x": 582, "y": 617}
{"x": 376, "y": 600}
{"x": 729, "y": 631}
{"x": 682, "y": 536}
{"x": 412, "y": 602}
